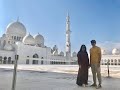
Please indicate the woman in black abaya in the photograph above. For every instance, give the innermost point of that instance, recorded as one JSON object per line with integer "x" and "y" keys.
{"x": 83, "y": 62}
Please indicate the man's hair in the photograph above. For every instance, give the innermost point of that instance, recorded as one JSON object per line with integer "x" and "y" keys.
{"x": 93, "y": 41}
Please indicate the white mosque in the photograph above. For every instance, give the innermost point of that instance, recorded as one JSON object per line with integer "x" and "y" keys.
{"x": 31, "y": 49}
{"x": 111, "y": 58}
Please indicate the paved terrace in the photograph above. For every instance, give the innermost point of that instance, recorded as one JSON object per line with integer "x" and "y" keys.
{"x": 54, "y": 77}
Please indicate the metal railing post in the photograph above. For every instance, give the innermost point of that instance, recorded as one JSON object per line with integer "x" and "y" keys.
{"x": 15, "y": 72}
{"x": 108, "y": 69}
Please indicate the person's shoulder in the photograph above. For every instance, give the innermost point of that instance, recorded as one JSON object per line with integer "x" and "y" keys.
{"x": 79, "y": 52}
{"x": 91, "y": 48}
{"x": 98, "y": 47}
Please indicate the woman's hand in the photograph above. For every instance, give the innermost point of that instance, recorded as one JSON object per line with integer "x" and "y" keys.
{"x": 88, "y": 67}
{"x": 98, "y": 65}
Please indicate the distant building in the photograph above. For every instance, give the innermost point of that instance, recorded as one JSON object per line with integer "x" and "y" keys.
{"x": 31, "y": 49}
{"x": 112, "y": 59}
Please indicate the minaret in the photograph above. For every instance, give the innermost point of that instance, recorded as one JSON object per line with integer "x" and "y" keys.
{"x": 17, "y": 19}
{"x": 68, "y": 43}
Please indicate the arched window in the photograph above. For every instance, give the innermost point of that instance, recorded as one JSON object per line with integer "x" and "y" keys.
{"x": 35, "y": 61}
{"x": 18, "y": 38}
{"x": 115, "y": 62}
{"x": 0, "y": 59}
{"x": 111, "y": 60}
{"x": 14, "y": 37}
{"x": 35, "y": 56}
{"x": 27, "y": 61}
{"x": 13, "y": 62}
{"x": 9, "y": 60}
{"x": 42, "y": 62}
{"x": 5, "y": 60}
{"x": 9, "y": 42}
{"x": 108, "y": 62}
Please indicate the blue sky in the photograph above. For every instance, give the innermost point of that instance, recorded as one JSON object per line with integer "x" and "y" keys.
{"x": 90, "y": 19}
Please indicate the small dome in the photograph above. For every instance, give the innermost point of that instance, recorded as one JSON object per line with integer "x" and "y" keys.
{"x": 74, "y": 54}
{"x": 8, "y": 47}
{"x": 61, "y": 53}
{"x": 103, "y": 51}
{"x": 16, "y": 29}
{"x": 39, "y": 39}
{"x": 3, "y": 35}
{"x": 55, "y": 48}
{"x": 29, "y": 40}
{"x": 55, "y": 53}
{"x": 115, "y": 51}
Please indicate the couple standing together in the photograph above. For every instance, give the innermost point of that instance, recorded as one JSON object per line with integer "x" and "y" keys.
{"x": 84, "y": 64}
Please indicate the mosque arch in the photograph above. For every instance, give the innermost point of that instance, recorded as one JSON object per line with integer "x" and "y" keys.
{"x": 42, "y": 60}
{"x": 27, "y": 60}
{"x": 118, "y": 61}
{"x": 108, "y": 62}
{"x": 5, "y": 60}
{"x": 115, "y": 62}
{"x": 35, "y": 56}
{"x": 14, "y": 37}
{"x": 111, "y": 61}
{"x": 35, "y": 61}
{"x": 12, "y": 62}
{"x": 0, "y": 59}
{"x": 9, "y": 60}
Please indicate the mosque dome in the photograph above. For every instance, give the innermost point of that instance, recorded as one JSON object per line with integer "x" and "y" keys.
{"x": 55, "y": 48}
{"x": 61, "y": 53}
{"x": 74, "y": 54}
{"x": 39, "y": 39}
{"x": 16, "y": 29}
{"x": 115, "y": 51}
{"x": 55, "y": 53}
{"x": 8, "y": 47}
{"x": 29, "y": 40}
{"x": 3, "y": 35}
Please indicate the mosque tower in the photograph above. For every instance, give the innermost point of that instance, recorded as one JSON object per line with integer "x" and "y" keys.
{"x": 68, "y": 43}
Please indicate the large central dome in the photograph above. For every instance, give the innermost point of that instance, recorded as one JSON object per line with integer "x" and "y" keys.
{"x": 16, "y": 29}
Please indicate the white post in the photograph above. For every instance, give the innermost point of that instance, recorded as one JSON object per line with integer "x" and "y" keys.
{"x": 15, "y": 72}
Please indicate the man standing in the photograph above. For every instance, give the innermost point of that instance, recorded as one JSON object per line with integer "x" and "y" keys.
{"x": 95, "y": 58}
